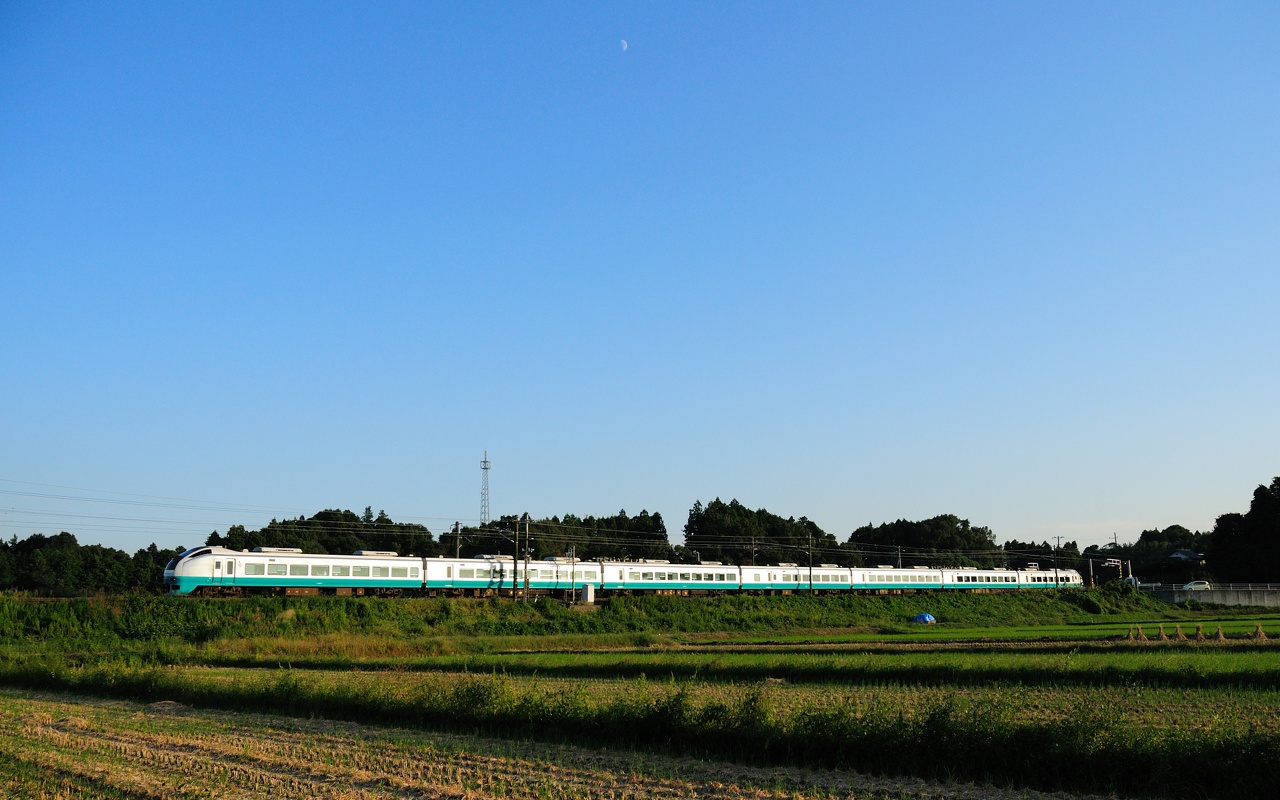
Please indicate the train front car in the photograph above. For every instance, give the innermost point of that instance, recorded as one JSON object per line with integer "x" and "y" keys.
{"x": 200, "y": 570}
{"x": 287, "y": 570}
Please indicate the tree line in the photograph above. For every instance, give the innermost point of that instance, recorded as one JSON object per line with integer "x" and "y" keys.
{"x": 59, "y": 565}
{"x": 1242, "y": 547}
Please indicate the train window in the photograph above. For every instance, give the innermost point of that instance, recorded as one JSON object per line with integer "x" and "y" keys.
{"x": 706, "y": 576}
{"x": 275, "y": 569}
{"x": 546, "y": 574}
{"x": 413, "y": 572}
{"x": 635, "y": 576}
{"x": 466, "y": 573}
{"x": 255, "y": 569}
{"x": 757, "y": 576}
{"x": 661, "y": 576}
{"x": 298, "y": 569}
{"x": 590, "y": 574}
{"x": 481, "y": 573}
{"x": 320, "y": 571}
{"x": 399, "y": 572}
{"x": 231, "y": 567}
{"x": 697, "y": 576}
{"x": 359, "y": 572}
{"x": 341, "y": 572}
{"x": 381, "y": 572}
{"x": 217, "y": 565}
{"x": 648, "y": 576}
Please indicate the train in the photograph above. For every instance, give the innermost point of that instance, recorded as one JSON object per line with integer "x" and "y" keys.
{"x": 289, "y": 571}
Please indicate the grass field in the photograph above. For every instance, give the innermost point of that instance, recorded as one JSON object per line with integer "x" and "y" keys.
{"x": 1068, "y": 701}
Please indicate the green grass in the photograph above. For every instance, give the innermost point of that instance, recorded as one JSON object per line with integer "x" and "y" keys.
{"x": 142, "y": 617}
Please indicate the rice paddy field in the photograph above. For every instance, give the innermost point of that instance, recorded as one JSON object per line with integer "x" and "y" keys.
{"x": 286, "y": 702}
{"x": 54, "y": 746}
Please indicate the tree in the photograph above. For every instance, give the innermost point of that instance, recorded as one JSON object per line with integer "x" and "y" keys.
{"x": 943, "y": 539}
{"x": 732, "y": 533}
{"x": 334, "y": 531}
{"x": 1246, "y": 547}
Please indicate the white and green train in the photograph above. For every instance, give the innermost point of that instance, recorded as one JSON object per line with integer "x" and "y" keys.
{"x": 278, "y": 570}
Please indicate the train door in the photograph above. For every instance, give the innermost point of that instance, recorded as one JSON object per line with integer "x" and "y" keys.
{"x": 217, "y": 572}
{"x": 229, "y": 575}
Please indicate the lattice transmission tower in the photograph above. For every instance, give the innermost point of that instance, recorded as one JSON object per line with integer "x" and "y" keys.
{"x": 484, "y": 489}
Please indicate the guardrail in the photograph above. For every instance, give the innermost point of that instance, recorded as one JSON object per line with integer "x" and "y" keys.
{"x": 1223, "y": 587}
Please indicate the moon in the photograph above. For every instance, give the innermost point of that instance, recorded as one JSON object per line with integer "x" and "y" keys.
{"x": 624, "y": 45}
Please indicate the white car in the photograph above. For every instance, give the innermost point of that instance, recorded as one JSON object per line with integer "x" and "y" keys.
{"x": 1196, "y": 586}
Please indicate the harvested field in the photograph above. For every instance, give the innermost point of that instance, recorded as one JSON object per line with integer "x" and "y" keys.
{"x": 60, "y": 747}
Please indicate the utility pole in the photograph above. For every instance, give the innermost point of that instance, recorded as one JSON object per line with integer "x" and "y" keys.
{"x": 1091, "y": 573}
{"x": 899, "y": 556}
{"x": 1056, "y": 544}
{"x": 810, "y": 562}
{"x": 457, "y": 540}
{"x": 526, "y": 559}
{"x": 515, "y": 557}
{"x": 573, "y": 582}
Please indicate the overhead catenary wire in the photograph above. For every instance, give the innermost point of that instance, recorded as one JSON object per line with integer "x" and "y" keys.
{"x": 218, "y": 517}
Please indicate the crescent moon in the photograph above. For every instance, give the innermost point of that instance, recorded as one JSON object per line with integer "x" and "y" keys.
{"x": 624, "y": 45}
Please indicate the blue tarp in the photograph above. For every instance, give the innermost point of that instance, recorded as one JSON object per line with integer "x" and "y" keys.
{"x": 925, "y": 619}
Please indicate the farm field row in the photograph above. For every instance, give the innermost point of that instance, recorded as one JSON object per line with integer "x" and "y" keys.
{"x": 62, "y": 747}
{"x": 1235, "y": 663}
{"x": 1031, "y": 637}
{"x": 1217, "y": 712}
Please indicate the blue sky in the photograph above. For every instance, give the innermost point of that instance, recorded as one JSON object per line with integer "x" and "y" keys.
{"x": 859, "y": 262}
